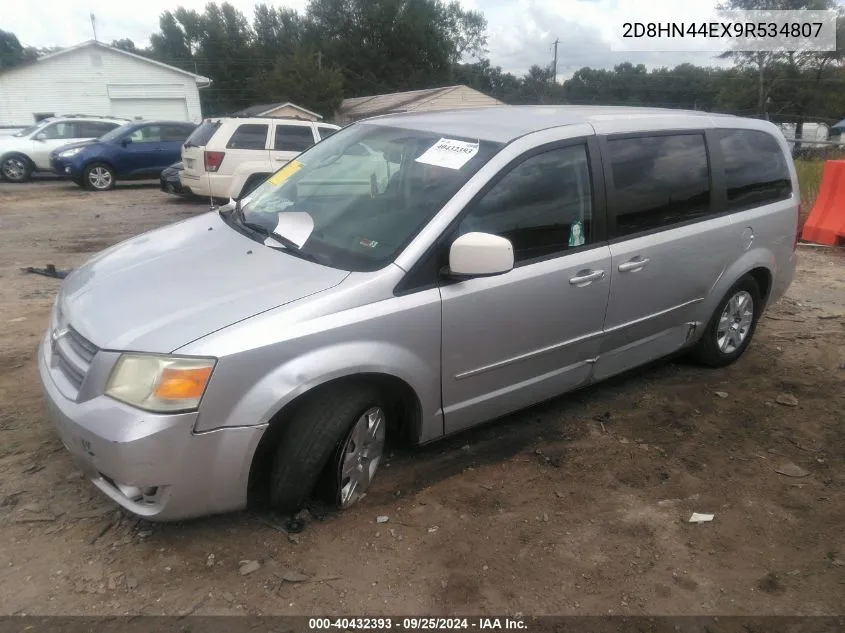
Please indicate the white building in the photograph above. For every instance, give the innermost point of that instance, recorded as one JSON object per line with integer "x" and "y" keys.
{"x": 97, "y": 79}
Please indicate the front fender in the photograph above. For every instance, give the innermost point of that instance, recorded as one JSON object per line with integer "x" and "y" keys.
{"x": 279, "y": 387}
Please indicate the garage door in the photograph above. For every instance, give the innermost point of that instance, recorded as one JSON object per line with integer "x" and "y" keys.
{"x": 173, "y": 109}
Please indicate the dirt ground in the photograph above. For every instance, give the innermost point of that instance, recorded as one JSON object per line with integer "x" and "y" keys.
{"x": 579, "y": 506}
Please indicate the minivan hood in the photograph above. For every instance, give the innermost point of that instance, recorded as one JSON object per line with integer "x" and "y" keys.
{"x": 163, "y": 289}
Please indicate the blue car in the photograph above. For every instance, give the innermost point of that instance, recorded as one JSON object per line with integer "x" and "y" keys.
{"x": 134, "y": 151}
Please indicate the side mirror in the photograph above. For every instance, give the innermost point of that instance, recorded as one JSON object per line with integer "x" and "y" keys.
{"x": 125, "y": 141}
{"x": 480, "y": 255}
{"x": 40, "y": 137}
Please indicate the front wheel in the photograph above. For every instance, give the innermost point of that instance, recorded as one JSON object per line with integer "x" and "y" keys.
{"x": 340, "y": 435}
{"x": 732, "y": 325}
{"x": 99, "y": 177}
{"x": 16, "y": 168}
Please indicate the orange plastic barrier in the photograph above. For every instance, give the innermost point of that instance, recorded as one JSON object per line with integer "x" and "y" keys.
{"x": 826, "y": 224}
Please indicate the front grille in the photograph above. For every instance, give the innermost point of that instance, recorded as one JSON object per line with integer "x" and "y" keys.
{"x": 74, "y": 354}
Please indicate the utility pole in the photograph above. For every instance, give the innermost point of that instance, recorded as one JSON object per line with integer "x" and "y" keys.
{"x": 94, "y": 27}
{"x": 320, "y": 61}
{"x": 554, "y": 66}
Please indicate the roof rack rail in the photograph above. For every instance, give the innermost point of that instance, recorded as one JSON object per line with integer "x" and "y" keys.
{"x": 90, "y": 116}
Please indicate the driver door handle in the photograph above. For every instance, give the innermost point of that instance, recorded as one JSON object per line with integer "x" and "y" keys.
{"x": 586, "y": 277}
{"x": 633, "y": 265}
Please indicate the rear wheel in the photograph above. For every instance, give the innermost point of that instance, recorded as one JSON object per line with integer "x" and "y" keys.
{"x": 339, "y": 434}
{"x": 99, "y": 177}
{"x": 16, "y": 168}
{"x": 732, "y": 325}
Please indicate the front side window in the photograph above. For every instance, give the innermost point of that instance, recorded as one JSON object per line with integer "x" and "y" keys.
{"x": 293, "y": 138}
{"x": 354, "y": 200}
{"x": 658, "y": 181}
{"x": 543, "y": 205}
{"x": 146, "y": 134}
{"x": 249, "y": 136}
{"x": 756, "y": 171}
{"x": 60, "y": 130}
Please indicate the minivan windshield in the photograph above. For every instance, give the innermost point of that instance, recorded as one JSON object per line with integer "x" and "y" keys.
{"x": 355, "y": 199}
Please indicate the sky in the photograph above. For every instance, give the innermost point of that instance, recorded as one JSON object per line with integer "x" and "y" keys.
{"x": 521, "y": 32}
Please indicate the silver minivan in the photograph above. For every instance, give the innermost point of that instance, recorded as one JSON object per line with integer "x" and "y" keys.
{"x": 492, "y": 258}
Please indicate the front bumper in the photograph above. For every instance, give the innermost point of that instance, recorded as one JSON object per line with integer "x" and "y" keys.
{"x": 151, "y": 464}
{"x": 64, "y": 167}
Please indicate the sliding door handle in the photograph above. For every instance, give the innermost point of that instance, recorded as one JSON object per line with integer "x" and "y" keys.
{"x": 633, "y": 265}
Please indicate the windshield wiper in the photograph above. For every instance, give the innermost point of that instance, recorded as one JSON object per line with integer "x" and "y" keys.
{"x": 288, "y": 243}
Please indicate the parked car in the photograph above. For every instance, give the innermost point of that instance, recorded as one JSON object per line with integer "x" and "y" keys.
{"x": 513, "y": 254}
{"x": 228, "y": 157}
{"x": 133, "y": 151}
{"x": 28, "y": 150}
{"x": 169, "y": 180}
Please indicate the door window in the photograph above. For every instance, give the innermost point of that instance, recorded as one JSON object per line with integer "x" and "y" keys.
{"x": 146, "y": 134}
{"x": 756, "y": 171}
{"x": 658, "y": 181}
{"x": 94, "y": 129}
{"x": 544, "y": 205}
{"x": 175, "y": 132}
{"x": 61, "y": 130}
{"x": 293, "y": 138}
{"x": 249, "y": 136}
{"x": 325, "y": 131}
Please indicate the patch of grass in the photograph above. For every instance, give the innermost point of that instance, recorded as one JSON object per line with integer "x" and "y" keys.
{"x": 809, "y": 181}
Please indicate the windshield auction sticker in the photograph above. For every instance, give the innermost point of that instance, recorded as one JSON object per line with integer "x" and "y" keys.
{"x": 285, "y": 172}
{"x": 449, "y": 153}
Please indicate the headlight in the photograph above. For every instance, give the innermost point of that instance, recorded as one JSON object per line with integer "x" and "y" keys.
{"x": 160, "y": 383}
{"x": 70, "y": 152}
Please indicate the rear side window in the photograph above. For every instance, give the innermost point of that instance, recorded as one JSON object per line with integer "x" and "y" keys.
{"x": 756, "y": 171}
{"x": 293, "y": 138}
{"x": 658, "y": 181}
{"x": 249, "y": 136}
{"x": 202, "y": 135}
{"x": 174, "y": 132}
{"x": 94, "y": 129}
{"x": 325, "y": 132}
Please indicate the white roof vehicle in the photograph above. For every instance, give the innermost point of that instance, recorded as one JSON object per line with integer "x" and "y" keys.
{"x": 227, "y": 157}
{"x": 28, "y": 150}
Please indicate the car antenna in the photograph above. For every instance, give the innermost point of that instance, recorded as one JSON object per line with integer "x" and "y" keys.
{"x": 210, "y": 193}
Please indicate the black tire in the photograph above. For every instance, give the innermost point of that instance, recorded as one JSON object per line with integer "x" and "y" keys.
{"x": 101, "y": 168}
{"x": 312, "y": 438}
{"x": 707, "y": 350}
{"x": 16, "y": 168}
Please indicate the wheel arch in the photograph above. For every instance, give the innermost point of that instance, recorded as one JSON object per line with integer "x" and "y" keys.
{"x": 760, "y": 263}
{"x": 13, "y": 153}
{"x": 100, "y": 161}
{"x": 404, "y": 416}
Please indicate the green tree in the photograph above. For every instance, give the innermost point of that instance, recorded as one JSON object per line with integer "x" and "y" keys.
{"x": 297, "y": 78}
{"x": 125, "y": 44}
{"x": 12, "y": 52}
{"x": 392, "y": 45}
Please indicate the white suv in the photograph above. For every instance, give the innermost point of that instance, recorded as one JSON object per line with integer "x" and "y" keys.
{"x": 228, "y": 157}
{"x": 29, "y": 149}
